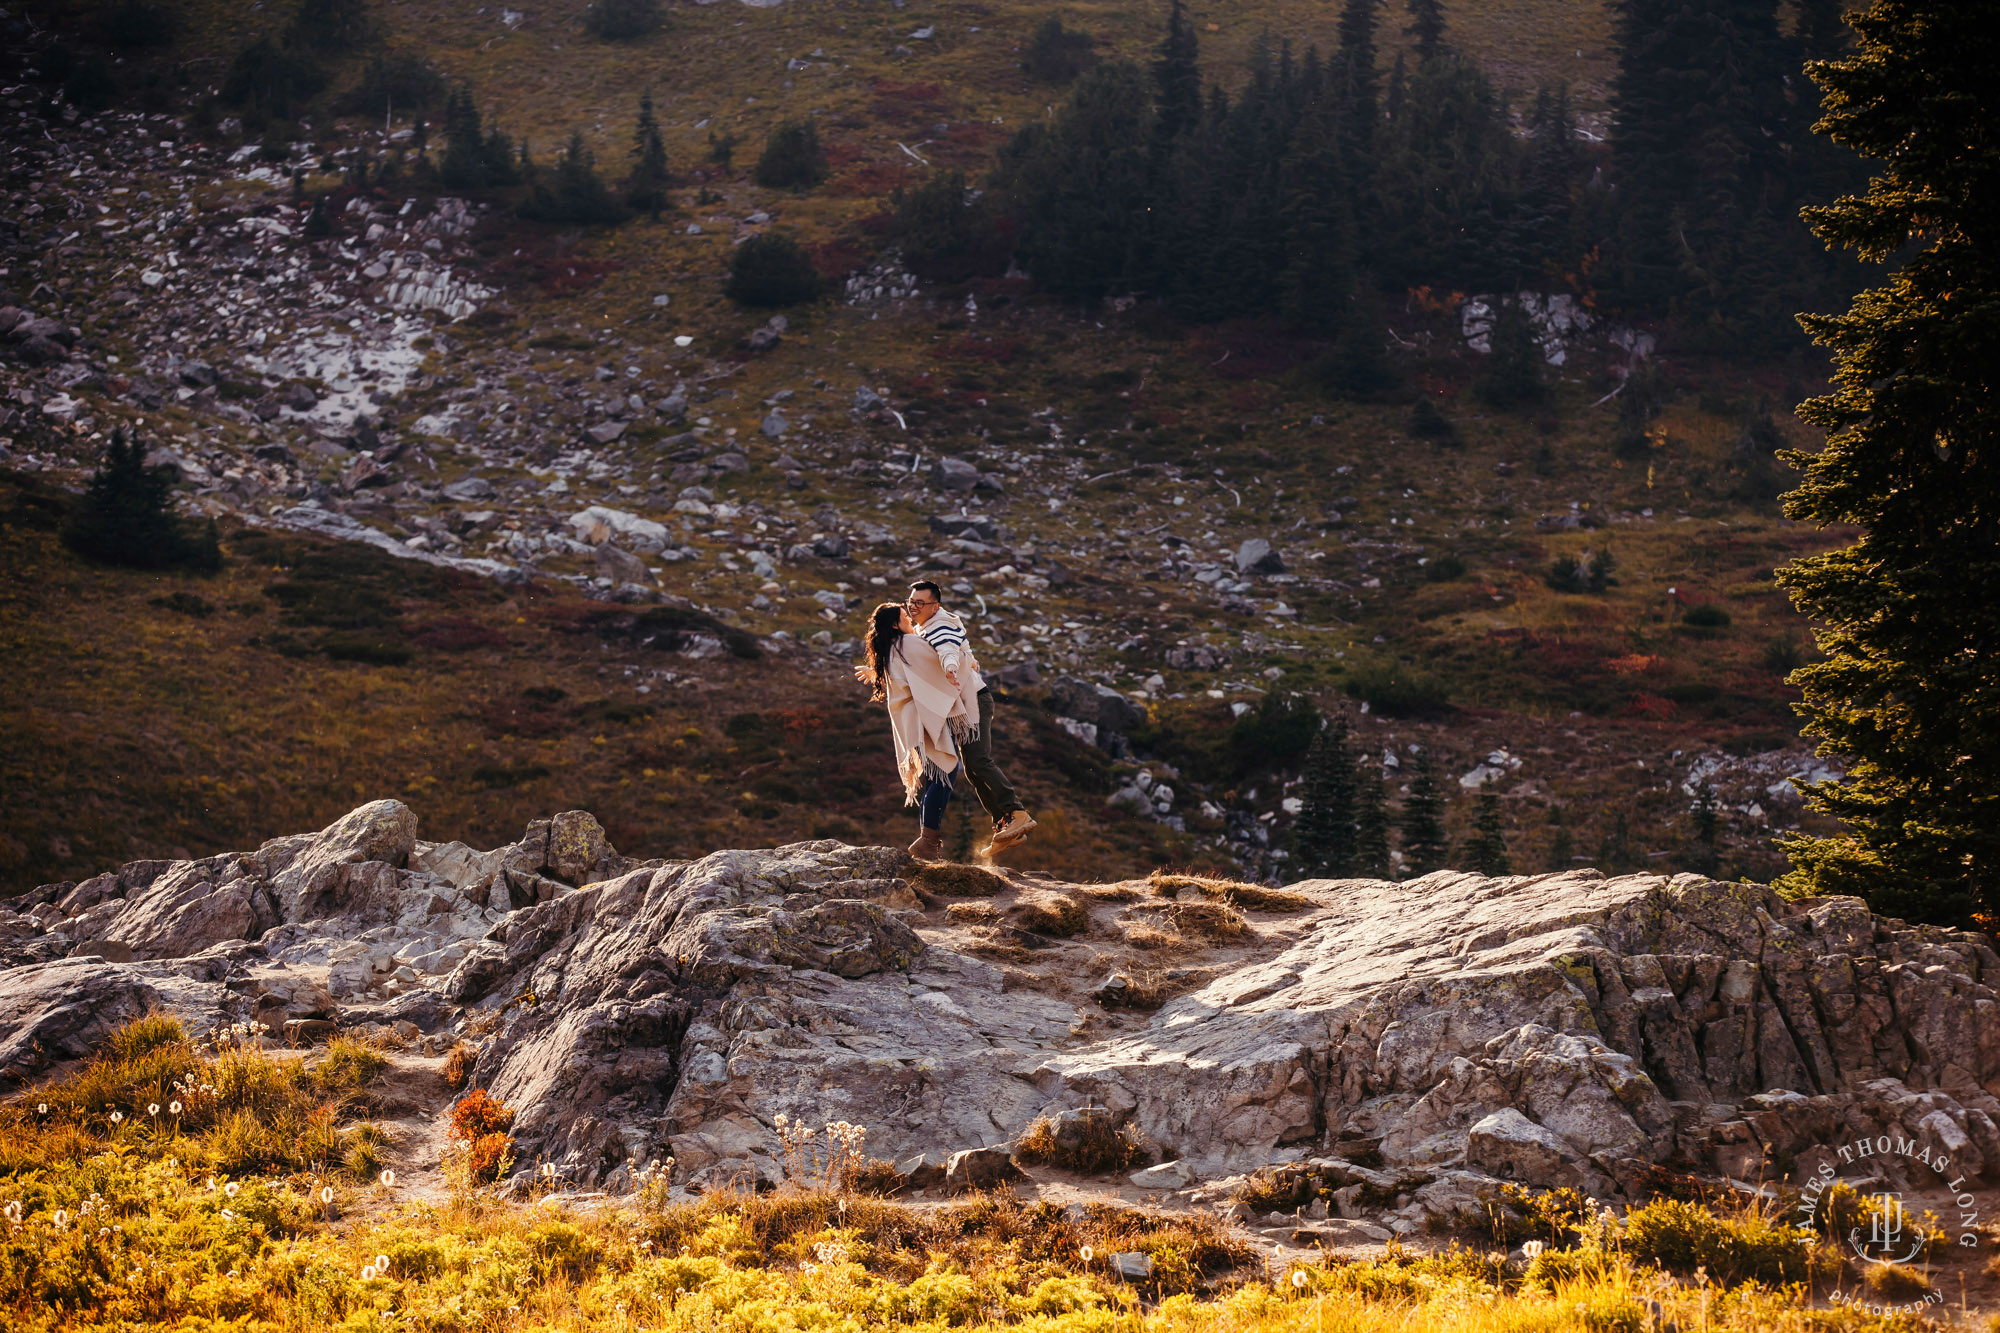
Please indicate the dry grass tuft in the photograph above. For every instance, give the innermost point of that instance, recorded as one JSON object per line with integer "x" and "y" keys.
{"x": 1109, "y": 893}
{"x": 1215, "y": 921}
{"x": 458, "y": 1066}
{"x": 972, "y": 914}
{"x": 233, "y": 1108}
{"x": 1091, "y": 1145}
{"x": 947, "y": 880}
{"x": 1895, "y": 1282}
{"x": 1234, "y": 892}
{"x": 1146, "y": 935}
{"x": 1049, "y": 913}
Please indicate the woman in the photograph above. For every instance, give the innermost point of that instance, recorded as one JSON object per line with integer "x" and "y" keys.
{"x": 927, "y": 713}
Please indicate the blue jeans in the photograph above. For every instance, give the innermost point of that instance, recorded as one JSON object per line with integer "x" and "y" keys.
{"x": 937, "y": 795}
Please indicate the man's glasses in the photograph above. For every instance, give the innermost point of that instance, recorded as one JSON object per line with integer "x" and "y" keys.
{"x": 914, "y": 603}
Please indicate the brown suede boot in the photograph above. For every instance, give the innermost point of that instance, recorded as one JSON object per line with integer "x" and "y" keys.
{"x": 929, "y": 845}
{"x": 1010, "y": 831}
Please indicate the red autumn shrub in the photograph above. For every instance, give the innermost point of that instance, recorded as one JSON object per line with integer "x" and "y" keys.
{"x": 478, "y": 1116}
{"x": 487, "y": 1154}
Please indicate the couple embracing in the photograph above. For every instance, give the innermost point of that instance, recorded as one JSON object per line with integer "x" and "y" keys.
{"x": 941, "y": 711}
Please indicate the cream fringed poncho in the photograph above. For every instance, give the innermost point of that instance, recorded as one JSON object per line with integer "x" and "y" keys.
{"x": 929, "y": 715}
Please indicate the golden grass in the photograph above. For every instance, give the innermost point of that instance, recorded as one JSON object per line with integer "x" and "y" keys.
{"x": 1099, "y": 1149}
{"x": 129, "y": 1231}
{"x": 1236, "y": 893}
{"x": 230, "y": 1106}
{"x": 949, "y": 880}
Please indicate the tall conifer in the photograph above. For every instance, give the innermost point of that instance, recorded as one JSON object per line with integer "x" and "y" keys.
{"x": 1907, "y": 690}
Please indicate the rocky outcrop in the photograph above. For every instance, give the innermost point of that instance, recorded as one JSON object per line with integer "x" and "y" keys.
{"x": 1425, "y": 1039}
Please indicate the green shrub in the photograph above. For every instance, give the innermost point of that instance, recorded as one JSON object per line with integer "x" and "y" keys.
{"x": 1428, "y": 423}
{"x": 1681, "y": 1237}
{"x": 792, "y": 158}
{"x": 1513, "y": 374}
{"x": 1590, "y": 572}
{"x": 90, "y": 85}
{"x": 1279, "y": 730}
{"x": 331, "y": 25}
{"x": 947, "y": 236}
{"x": 622, "y": 20}
{"x": 1705, "y": 621}
{"x": 270, "y": 79}
{"x": 772, "y": 270}
{"x": 135, "y": 24}
{"x": 575, "y": 194}
{"x": 1444, "y": 569}
{"x": 402, "y": 81}
{"x": 1396, "y": 690}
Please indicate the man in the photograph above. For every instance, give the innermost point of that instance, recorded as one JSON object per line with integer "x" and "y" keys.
{"x": 946, "y": 633}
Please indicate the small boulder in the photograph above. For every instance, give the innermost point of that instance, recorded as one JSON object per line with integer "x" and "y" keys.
{"x": 954, "y": 474}
{"x": 577, "y": 843}
{"x": 1509, "y": 1145}
{"x": 981, "y": 1169}
{"x": 1165, "y": 1176}
{"x": 621, "y": 566}
{"x": 469, "y": 489}
{"x": 1132, "y": 1266}
{"x": 1255, "y": 556}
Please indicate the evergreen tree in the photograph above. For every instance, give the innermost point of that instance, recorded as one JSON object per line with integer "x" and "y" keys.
{"x": 1176, "y": 81}
{"x": 1323, "y": 839}
{"x": 1707, "y": 819}
{"x": 464, "y": 164}
{"x": 1909, "y": 616}
{"x": 576, "y": 194}
{"x": 1486, "y": 850}
{"x": 1371, "y": 824}
{"x": 1355, "y": 78}
{"x": 1445, "y": 167}
{"x": 1562, "y": 843}
{"x": 646, "y": 187}
{"x": 792, "y": 158}
{"x": 1427, "y": 26}
{"x": 1057, "y": 54}
{"x": 126, "y": 515}
{"x": 1318, "y": 214}
{"x": 1425, "y": 847}
{"x": 1707, "y": 123}
{"x": 1513, "y": 373}
{"x": 1081, "y": 185}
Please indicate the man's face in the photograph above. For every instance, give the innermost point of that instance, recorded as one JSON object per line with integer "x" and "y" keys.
{"x": 921, "y": 605}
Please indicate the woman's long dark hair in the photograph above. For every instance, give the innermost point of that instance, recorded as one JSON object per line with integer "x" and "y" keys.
{"x": 885, "y": 630}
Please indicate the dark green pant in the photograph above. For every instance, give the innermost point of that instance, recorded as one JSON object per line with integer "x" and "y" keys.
{"x": 988, "y": 782}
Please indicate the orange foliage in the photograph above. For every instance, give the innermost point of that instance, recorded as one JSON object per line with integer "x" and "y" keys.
{"x": 478, "y": 1116}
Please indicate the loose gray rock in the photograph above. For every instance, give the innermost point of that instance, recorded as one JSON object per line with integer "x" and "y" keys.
{"x": 954, "y": 474}
{"x": 469, "y": 490}
{"x": 1255, "y": 556}
{"x": 981, "y": 1169}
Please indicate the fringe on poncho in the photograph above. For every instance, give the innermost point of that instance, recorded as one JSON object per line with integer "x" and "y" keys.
{"x": 931, "y": 718}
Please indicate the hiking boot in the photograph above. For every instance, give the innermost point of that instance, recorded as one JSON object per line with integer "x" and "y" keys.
{"x": 1010, "y": 830}
{"x": 929, "y": 846}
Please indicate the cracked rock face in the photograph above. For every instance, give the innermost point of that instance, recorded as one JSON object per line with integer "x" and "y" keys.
{"x": 1448, "y": 1032}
